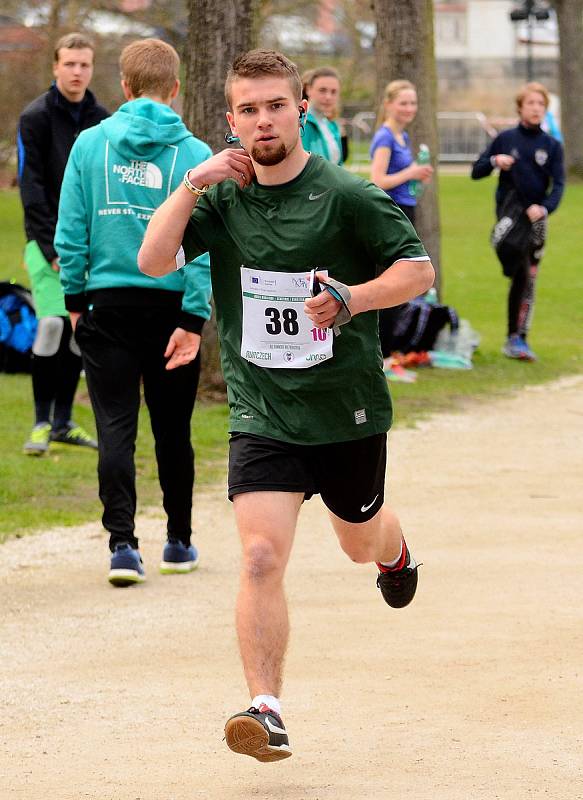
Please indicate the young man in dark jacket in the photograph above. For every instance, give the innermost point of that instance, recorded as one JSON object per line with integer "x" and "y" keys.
{"x": 47, "y": 131}
{"x": 531, "y": 167}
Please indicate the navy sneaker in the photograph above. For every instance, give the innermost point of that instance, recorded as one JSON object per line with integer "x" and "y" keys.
{"x": 177, "y": 558}
{"x": 258, "y": 732}
{"x": 126, "y": 566}
{"x": 398, "y": 586}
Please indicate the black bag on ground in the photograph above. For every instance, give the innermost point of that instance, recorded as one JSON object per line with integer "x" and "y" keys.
{"x": 414, "y": 326}
{"x": 511, "y": 236}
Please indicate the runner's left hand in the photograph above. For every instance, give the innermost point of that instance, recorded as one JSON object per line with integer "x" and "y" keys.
{"x": 182, "y": 348}
{"x": 323, "y": 308}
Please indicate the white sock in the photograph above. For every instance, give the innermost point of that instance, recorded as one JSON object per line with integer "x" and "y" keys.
{"x": 269, "y": 700}
{"x": 395, "y": 561}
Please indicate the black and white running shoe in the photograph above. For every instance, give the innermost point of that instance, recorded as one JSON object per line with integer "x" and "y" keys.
{"x": 258, "y": 732}
{"x": 398, "y": 586}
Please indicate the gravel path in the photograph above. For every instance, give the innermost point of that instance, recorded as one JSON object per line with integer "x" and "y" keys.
{"x": 473, "y": 692}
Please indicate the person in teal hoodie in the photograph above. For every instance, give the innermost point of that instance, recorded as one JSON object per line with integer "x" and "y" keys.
{"x": 321, "y": 134}
{"x": 132, "y": 328}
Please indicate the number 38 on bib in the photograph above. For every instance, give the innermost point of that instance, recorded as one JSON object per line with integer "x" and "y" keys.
{"x": 276, "y": 332}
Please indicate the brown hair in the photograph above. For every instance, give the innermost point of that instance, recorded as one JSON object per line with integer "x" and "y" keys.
{"x": 312, "y": 75}
{"x": 149, "y": 67}
{"x": 306, "y": 81}
{"x": 73, "y": 41}
{"x": 262, "y": 63}
{"x": 532, "y": 87}
{"x": 392, "y": 89}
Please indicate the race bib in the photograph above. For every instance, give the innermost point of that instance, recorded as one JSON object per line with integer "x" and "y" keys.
{"x": 276, "y": 331}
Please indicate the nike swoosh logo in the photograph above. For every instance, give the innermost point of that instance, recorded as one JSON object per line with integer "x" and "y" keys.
{"x": 318, "y": 196}
{"x": 366, "y": 508}
{"x": 274, "y": 728}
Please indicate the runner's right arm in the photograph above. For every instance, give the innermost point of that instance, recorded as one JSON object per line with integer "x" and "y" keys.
{"x": 165, "y": 230}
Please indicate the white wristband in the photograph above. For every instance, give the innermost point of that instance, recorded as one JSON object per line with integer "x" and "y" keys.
{"x": 192, "y": 188}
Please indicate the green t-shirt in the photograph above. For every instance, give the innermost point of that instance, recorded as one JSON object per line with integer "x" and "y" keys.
{"x": 325, "y": 218}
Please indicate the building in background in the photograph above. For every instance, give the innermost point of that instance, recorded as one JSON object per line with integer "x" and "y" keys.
{"x": 476, "y": 42}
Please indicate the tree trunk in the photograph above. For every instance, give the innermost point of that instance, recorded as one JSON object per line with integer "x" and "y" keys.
{"x": 570, "y": 16}
{"x": 52, "y": 30}
{"x": 404, "y": 49}
{"x": 217, "y": 33}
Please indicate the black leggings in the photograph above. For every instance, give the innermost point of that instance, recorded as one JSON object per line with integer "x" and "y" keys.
{"x": 54, "y": 381}
{"x": 521, "y": 296}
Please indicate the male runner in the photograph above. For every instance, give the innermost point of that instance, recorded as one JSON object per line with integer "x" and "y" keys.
{"x": 309, "y": 408}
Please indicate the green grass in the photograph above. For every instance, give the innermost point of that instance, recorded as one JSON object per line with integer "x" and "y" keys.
{"x": 11, "y": 238}
{"x": 61, "y": 489}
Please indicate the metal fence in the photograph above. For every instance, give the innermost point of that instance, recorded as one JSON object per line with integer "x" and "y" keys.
{"x": 463, "y": 135}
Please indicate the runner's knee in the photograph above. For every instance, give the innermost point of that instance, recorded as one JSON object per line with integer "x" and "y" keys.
{"x": 359, "y": 550}
{"x": 261, "y": 560}
{"x": 359, "y": 540}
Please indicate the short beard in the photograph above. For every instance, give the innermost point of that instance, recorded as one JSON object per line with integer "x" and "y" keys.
{"x": 269, "y": 159}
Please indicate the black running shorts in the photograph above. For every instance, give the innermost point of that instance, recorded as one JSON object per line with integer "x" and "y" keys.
{"x": 350, "y": 476}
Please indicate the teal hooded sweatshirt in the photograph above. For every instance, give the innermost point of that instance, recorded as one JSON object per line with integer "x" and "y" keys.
{"x": 117, "y": 175}
{"x": 314, "y": 139}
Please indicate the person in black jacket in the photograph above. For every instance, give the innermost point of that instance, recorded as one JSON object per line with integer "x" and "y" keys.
{"x": 47, "y": 131}
{"x": 531, "y": 167}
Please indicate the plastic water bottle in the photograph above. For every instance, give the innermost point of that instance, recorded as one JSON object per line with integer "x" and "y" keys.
{"x": 416, "y": 187}
{"x": 461, "y": 342}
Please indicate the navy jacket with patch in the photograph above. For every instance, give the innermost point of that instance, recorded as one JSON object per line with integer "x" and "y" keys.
{"x": 538, "y": 173}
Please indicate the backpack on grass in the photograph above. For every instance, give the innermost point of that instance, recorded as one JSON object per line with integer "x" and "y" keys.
{"x": 18, "y": 326}
{"x": 414, "y": 326}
